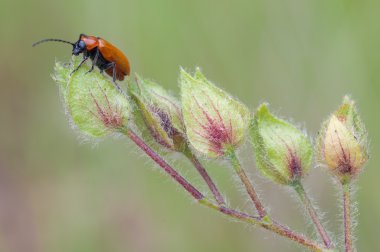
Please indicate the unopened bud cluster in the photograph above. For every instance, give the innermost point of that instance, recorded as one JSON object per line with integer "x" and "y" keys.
{"x": 205, "y": 120}
{"x": 211, "y": 122}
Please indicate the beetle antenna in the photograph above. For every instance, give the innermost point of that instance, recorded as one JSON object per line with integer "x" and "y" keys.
{"x": 54, "y": 40}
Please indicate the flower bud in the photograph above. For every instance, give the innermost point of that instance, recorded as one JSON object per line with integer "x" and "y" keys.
{"x": 283, "y": 152}
{"x": 214, "y": 120}
{"x": 62, "y": 76}
{"x": 96, "y": 107}
{"x": 342, "y": 142}
{"x": 159, "y": 113}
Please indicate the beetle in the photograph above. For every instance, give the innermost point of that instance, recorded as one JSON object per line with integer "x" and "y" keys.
{"x": 103, "y": 54}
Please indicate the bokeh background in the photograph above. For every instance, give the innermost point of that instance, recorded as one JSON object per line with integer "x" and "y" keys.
{"x": 60, "y": 194}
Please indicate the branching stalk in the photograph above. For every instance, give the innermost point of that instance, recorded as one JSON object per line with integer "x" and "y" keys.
{"x": 215, "y": 124}
{"x": 196, "y": 194}
{"x": 272, "y": 226}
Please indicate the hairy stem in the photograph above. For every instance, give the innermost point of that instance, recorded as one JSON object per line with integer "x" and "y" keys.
{"x": 347, "y": 218}
{"x": 312, "y": 213}
{"x": 263, "y": 222}
{"x": 206, "y": 177}
{"x": 164, "y": 165}
{"x": 269, "y": 225}
{"x": 231, "y": 154}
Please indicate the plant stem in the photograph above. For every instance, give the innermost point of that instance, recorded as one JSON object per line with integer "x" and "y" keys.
{"x": 202, "y": 171}
{"x": 263, "y": 222}
{"x": 231, "y": 154}
{"x": 313, "y": 214}
{"x": 269, "y": 225}
{"x": 347, "y": 217}
{"x": 164, "y": 165}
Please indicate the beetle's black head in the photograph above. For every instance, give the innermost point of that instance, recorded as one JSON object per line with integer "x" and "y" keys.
{"x": 79, "y": 47}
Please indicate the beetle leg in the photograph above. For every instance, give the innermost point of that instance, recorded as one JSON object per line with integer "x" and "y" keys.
{"x": 114, "y": 72}
{"x": 94, "y": 61}
{"x": 113, "y": 66}
{"x": 85, "y": 58}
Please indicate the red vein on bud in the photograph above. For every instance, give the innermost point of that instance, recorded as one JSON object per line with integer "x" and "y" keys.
{"x": 220, "y": 117}
{"x": 215, "y": 133}
{"x": 110, "y": 117}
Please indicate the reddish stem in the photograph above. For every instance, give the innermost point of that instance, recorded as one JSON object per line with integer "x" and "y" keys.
{"x": 202, "y": 171}
{"x": 267, "y": 224}
{"x": 286, "y": 232}
{"x": 270, "y": 225}
{"x": 165, "y": 166}
{"x": 347, "y": 218}
{"x": 246, "y": 181}
{"x": 313, "y": 214}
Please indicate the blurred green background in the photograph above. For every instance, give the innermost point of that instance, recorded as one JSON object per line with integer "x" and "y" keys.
{"x": 59, "y": 195}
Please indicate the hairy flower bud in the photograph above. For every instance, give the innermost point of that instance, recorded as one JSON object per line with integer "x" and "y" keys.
{"x": 214, "y": 120}
{"x": 342, "y": 142}
{"x": 61, "y": 76}
{"x": 283, "y": 152}
{"x": 96, "y": 107}
{"x": 160, "y": 113}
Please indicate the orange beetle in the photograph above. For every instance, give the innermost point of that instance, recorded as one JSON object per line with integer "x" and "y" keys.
{"x": 103, "y": 54}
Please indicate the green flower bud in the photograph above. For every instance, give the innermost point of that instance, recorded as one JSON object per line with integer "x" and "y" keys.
{"x": 342, "y": 142}
{"x": 283, "y": 152}
{"x": 161, "y": 114}
{"x": 214, "y": 120}
{"x": 61, "y": 76}
{"x": 96, "y": 107}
